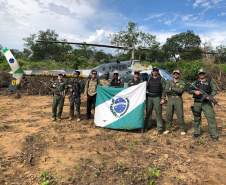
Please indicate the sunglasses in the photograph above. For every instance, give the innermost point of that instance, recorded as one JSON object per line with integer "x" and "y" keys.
{"x": 106, "y": 74}
{"x": 155, "y": 70}
{"x": 202, "y": 73}
{"x": 137, "y": 73}
{"x": 175, "y": 73}
{"x": 94, "y": 73}
{"x": 115, "y": 73}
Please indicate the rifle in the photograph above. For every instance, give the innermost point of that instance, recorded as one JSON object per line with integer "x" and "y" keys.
{"x": 73, "y": 89}
{"x": 54, "y": 83}
{"x": 205, "y": 95}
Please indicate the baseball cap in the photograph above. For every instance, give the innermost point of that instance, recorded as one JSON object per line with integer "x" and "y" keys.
{"x": 155, "y": 68}
{"x": 201, "y": 70}
{"x": 176, "y": 71}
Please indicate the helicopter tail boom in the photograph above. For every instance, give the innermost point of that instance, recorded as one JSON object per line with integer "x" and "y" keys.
{"x": 16, "y": 70}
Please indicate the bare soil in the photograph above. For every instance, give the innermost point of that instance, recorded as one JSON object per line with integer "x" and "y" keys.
{"x": 35, "y": 150}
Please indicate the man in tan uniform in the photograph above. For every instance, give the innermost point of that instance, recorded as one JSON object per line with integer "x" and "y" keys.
{"x": 90, "y": 92}
{"x": 106, "y": 82}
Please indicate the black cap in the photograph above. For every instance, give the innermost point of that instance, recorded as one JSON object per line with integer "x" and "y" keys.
{"x": 77, "y": 72}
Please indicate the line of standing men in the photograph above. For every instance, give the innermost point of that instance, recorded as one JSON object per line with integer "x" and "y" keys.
{"x": 157, "y": 89}
{"x": 156, "y": 94}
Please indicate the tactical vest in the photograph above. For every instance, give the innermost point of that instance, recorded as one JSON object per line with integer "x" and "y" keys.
{"x": 155, "y": 85}
{"x": 204, "y": 86}
{"x": 116, "y": 82}
{"x": 133, "y": 82}
{"x": 76, "y": 84}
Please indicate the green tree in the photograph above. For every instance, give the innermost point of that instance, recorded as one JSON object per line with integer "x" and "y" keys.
{"x": 221, "y": 56}
{"x": 47, "y": 51}
{"x": 131, "y": 37}
{"x": 185, "y": 44}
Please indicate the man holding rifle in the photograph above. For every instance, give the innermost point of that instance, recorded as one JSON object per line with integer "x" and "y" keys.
{"x": 77, "y": 86}
{"x": 60, "y": 87}
{"x": 203, "y": 90}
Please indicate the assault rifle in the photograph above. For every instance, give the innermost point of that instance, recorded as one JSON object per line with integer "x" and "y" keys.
{"x": 73, "y": 89}
{"x": 205, "y": 95}
{"x": 54, "y": 83}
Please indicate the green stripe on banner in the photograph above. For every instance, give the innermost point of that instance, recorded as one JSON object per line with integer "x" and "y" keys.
{"x": 106, "y": 93}
{"x": 133, "y": 120}
{"x": 5, "y": 50}
{"x": 19, "y": 70}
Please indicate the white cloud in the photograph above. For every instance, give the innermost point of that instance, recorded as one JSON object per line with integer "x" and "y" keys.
{"x": 154, "y": 16}
{"x": 21, "y": 18}
{"x": 170, "y": 21}
{"x": 222, "y": 14}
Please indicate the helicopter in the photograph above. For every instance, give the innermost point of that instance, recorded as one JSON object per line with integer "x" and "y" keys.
{"x": 125, "y": 68}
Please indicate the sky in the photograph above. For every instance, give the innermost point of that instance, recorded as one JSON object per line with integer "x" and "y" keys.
{"x": 92, "y": 21}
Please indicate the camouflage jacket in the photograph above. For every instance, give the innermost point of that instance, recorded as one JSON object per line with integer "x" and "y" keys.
{"x": 178, "y": 88}
{"x": 105, "y": 83}
{"x": 78, "y": 85}
{"x": 63, "y": 87}
{"x": 91, "y": 87}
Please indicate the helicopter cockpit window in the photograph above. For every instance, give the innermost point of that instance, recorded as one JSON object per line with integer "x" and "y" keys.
{"x": 113, "y": 67}
{"x": 109, "y": 68}
{"x": 123, "y": 66}
{"x": 116, "y": 67}
{"x": 119, "y": 67}
{"x": 103, "y": 69}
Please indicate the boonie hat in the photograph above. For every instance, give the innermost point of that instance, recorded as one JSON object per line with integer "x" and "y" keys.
{"x": 202, "y": 70}
{"x": 116, "y": 71}
{"x": 176, "y": 71}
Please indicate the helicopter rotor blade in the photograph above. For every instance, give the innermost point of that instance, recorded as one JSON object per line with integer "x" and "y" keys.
{"x": 86, "y": 44}
{"x": 119, "y": 47}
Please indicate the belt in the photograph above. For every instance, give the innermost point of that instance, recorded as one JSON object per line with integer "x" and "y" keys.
{"x": 153, "y": 96}
{"x": 174, "y": 96}
{"x": 57, "y": 95}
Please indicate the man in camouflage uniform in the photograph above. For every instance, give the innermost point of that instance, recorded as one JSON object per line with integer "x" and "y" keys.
{"x": 76, "y": 85}
{"x": 106, "y": 82}
{"x": 155, "y": 98}
{"x": 136, "y": 80}
{"x": 174, "y": 90}
{"x": 90, "y": 92}
{"x": 58, "y": 96}
{"x": 206, "y": 106}
{"x": 117, "y": 82}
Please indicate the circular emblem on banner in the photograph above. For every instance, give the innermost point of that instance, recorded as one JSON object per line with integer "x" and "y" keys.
{"x": 11, "y": 60}
{"x": 119, "y": 106}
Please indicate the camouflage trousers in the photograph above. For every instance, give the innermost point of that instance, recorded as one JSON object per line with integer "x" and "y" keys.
{"x": 208, "y": 111}
{"x": 154, "y": 103}
{"x": 175, "y": 104}
{"x": 75, "y": 103}
{"x": 57, "y": 101}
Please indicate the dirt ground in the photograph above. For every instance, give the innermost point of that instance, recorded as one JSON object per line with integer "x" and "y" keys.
{"x": 35, "y": 150}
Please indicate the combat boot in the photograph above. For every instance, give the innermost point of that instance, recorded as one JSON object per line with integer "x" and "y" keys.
{"x": 54, "y": 119}
{"x": 160, "y": 132}
{"x": 166, "y": 132}
{"x": 78, "y": 119}
{"x": 183, "y": 133}
{"x": 69, "y": 119}
{"x": 59, "y": 119}
{"x": 216, "y": 139}
{"x": 195, "y": 136}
